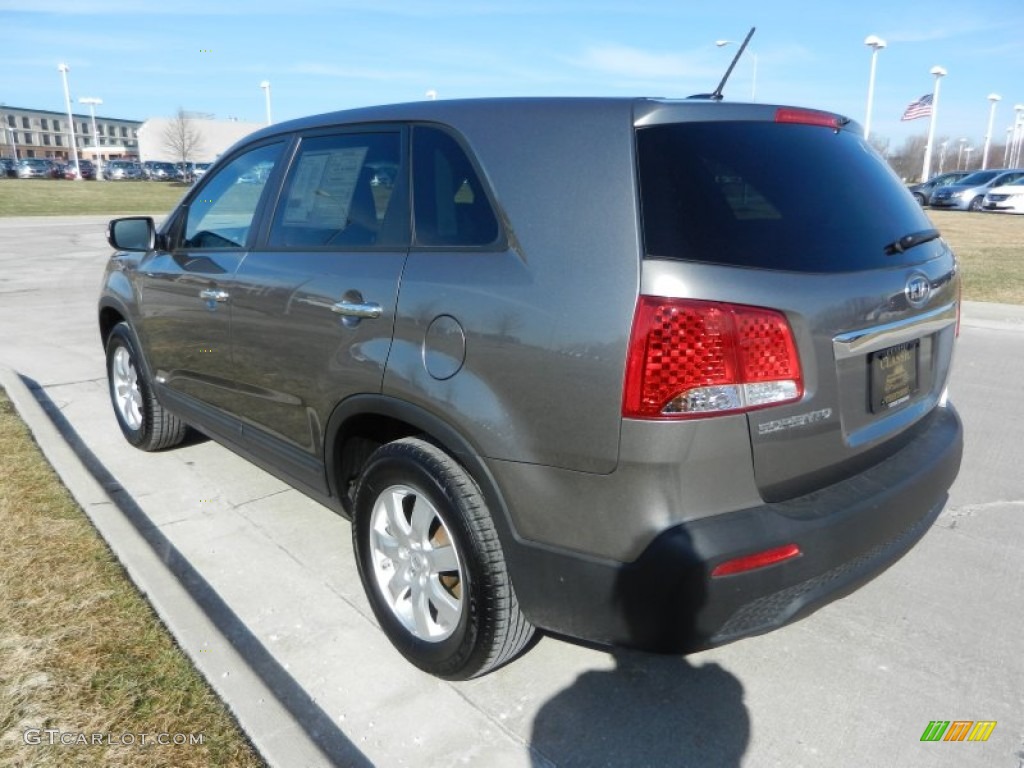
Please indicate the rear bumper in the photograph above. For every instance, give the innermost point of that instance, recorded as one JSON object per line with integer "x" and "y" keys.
{"x": 667, "y": 601}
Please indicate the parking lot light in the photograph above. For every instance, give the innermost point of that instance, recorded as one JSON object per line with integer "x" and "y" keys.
{"x": 92, "y": 102}
{"x": 265, "y": 85}
{"x": 64, "y": 69}
{"x": 994, "y": 98}
{"x": 875, "y": 43}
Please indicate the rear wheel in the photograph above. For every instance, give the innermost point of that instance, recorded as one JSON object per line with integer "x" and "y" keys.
{"x": 143, "y": 421}
{"x": 432, "y": 565}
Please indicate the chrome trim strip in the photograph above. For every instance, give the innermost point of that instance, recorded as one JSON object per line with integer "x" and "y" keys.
{"x": 857, "y": 343}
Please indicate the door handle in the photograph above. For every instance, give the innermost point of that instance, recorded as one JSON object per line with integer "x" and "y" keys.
{"x": 369, "y": 309}
{"x": 212, "y": 294}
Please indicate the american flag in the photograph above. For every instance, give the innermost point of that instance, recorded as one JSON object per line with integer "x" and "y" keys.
{"x": 920, "y": 108}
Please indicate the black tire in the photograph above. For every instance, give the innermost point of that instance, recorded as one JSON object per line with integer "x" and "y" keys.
{"x": 487, "y": 628}
{"x": 920, "y": 198}
{"x": 975, "y": 204}
{"x": 144, "y": 422}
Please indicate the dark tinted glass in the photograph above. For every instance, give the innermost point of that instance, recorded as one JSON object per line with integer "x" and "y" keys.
{"x": 981, "y": 177}
{"x": 774, "y": 196}
{"x": 451, "y": 207}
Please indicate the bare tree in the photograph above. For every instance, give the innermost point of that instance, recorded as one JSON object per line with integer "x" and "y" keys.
{"x": 182, "y": 139}
{"x": 906, "y": 161}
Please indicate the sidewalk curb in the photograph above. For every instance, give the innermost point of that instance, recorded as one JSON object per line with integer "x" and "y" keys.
{"x": 995, "y": 317}
{"x": 269, "y": 724}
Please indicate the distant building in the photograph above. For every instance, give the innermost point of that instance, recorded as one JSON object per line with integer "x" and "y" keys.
{"x": 215, "y": 136}
{"x": 41, "y": 133}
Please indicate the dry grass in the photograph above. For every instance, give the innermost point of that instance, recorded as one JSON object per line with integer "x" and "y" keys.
{"x": 991, "y": 251}
{"x": 81, "y": 652}
{"x": 50, "y": 197}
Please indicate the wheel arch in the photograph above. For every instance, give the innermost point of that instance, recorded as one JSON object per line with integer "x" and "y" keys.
{"x": 362, "y": 423}
{"x": 112, "y": 313}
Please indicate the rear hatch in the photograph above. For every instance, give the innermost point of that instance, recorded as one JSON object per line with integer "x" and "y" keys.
{"x": 755, "y": 206}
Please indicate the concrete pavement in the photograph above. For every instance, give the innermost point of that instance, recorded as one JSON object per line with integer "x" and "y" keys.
{"x": 259, "y": 586}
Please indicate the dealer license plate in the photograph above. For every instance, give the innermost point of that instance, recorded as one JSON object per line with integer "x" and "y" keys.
{"x": 893, "y": 376}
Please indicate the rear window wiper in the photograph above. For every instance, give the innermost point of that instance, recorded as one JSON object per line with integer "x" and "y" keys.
{"x": 907, "y": 242}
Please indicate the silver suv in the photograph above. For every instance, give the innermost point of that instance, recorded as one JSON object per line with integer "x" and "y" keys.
{"x": 611, "y": 368}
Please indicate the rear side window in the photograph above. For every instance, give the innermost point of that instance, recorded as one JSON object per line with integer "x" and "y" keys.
{"x": 449, "y": 200}
{"x": 772, "y": 196}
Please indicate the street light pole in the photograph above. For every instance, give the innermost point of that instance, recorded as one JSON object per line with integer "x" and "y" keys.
{"x": 942, "y": 154}
{"x": 960, "y": 154}
{"x": 1006, "y": 149}
{"x": 967, "y": 160}
{"x": 95, "y": 134}
{"x": 939, "y": 73}
{"x": 64, "y": 69}
{"x": 1018, "y": 130}
{"x": 14, "y": 141}
{"x": 875, "y": 43}
{"x": 753, "y": 57}
{"x": 994, "y": 98}
{"x": 265, "y": 85}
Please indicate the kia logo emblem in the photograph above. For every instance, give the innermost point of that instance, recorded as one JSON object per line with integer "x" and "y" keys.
{"x": 918, "y": 290}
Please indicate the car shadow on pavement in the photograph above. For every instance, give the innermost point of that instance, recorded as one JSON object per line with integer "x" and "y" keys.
{"x": 650, "y": 710}
{"x": 322, "y": 730}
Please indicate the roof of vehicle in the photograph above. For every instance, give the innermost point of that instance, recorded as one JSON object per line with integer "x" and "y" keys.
{"x": 643, "y": 110}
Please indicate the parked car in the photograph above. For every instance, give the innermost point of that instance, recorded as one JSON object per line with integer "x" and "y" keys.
{"x": 122, "y": 170}
{"x": 8, "y": 167}
{"x": 34, "y": 168}
{"x": 613, "y": 368}
{"x": 1008, "y": 198}
{"x": 969, "y": 193}
{"x": 922, "y": 192}
{"x": 158, "y": 170}
{"x": 85, "y": 168}
{"x": 199, "y": 169}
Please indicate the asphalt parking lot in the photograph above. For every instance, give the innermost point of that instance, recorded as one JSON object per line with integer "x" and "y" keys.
{"x": 259, "y": 586}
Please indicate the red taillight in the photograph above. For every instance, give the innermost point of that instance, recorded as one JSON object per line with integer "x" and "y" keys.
{"x": 756, "y": 560}
{"x": 700, "y": 358}
{"x": 807, "y": 117}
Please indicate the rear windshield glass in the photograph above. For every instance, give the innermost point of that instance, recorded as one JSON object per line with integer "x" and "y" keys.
{"x": 773, "y": 196}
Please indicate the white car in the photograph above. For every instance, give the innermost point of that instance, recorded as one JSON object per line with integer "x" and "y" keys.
{"x": 1008, "y": 198}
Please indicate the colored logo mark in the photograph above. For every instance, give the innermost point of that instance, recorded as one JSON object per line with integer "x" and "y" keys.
{"x": 958, "y": 730}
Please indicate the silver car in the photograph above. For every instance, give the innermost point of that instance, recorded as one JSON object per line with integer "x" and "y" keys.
{"x": 34, "y": 168}
{"x": 610, "y": 368}
{"x": 968, "y": 194}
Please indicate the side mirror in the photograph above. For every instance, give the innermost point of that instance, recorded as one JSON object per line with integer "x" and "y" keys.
{"x": 134, "y": 233}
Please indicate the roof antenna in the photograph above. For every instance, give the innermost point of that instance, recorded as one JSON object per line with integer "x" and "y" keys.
{"x": 717, "y": 95}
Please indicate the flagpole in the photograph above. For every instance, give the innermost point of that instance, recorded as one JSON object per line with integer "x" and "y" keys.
{"x": 939, "y": 73}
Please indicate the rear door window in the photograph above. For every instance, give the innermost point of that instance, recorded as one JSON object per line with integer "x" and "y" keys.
{"x": 774, "y": 196}
{"x": 340, "y": 192}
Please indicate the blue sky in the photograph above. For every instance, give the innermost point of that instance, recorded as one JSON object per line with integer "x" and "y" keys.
{"x": 146, "y": 59}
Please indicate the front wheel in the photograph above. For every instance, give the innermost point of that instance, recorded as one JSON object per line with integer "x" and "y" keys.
{"x": 143, "y": 421}
{"x": 432, "y": 565}
{"x": 975, "y": 204}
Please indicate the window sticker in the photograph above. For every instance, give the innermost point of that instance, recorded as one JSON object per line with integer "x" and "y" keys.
{"x": 322, "y": 190}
